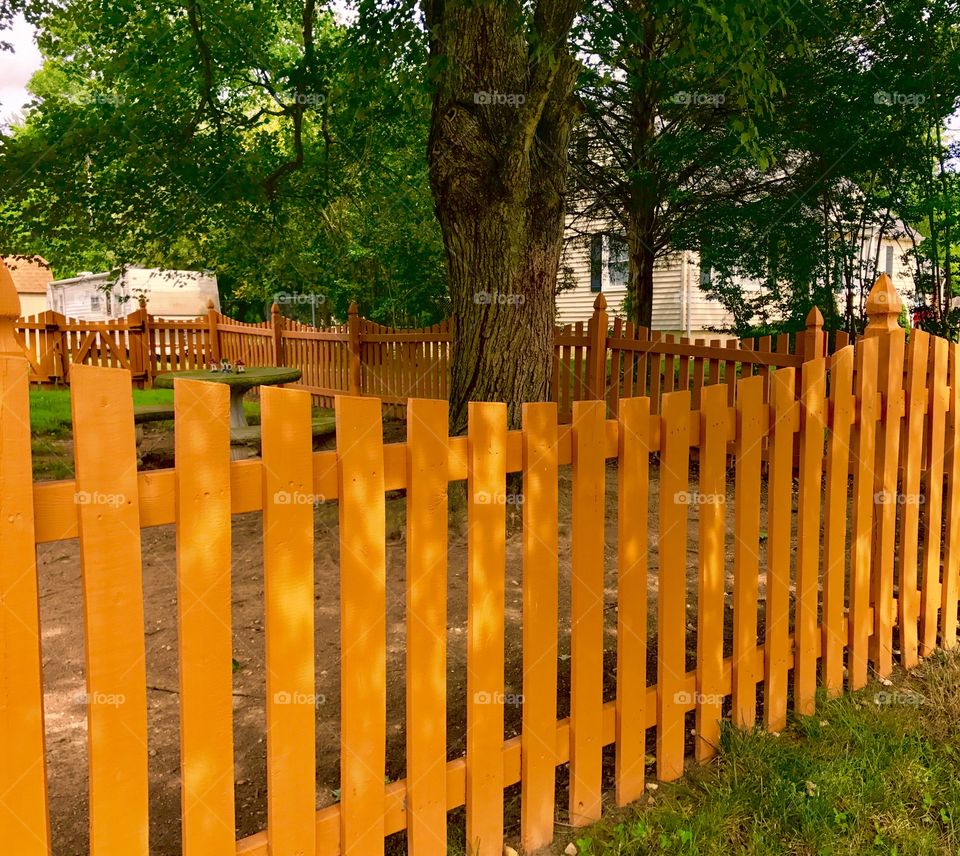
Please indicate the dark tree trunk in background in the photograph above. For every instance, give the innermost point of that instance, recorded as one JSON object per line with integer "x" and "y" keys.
{"x": 498, "y": 162}
{"x": 640, "y": 238}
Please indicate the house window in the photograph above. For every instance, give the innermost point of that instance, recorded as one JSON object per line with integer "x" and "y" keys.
{"x": 706, "y": 276}
{"x": 596, "y": 262}
{"x": 609, "y": 262}
{"x": 888, "y": 261}
{"x": 94, "y": 302}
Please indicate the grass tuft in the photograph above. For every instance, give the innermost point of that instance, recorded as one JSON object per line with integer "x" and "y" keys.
{"x": 873, "y": 772}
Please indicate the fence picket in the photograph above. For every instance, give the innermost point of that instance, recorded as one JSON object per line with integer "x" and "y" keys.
{"x": 540, "y": 606}
{"x": 109, "y": 527}
{"x": 863, "y": 493}
{"x": 202, "y": 449}
{"x": 950, "y": 591}
{"x": 486, "y": 563}
{"x": 812, "y": 419}
{"x": 777, "y": 655}
{"x": 671, "y": 610}
{"x": 24, "y": 824}
{"x": 633, "y": 462}
{"x": 890, "y": 383}
{"x": 843, "y": 406}
{"x": 288, "y": 621}
{"x": 933, "y": 507}
{"x": 426, "y": 598}
{"x": 363, "y": 687}
{"x": 712, "y": 488}
{"x": 586, "y": 611}
{"x": 916, "y": 400}
{"x": 746, "y": 555}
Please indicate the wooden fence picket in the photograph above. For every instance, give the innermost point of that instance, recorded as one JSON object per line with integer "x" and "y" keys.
{"x": 671, "y": 608}
{"x": 890, "y": 384}
{"x": 426, "y": 600}
{"x": 916, "y": 401}
{"x": 950, "y": 591}
{"x": 863, "y": 501}
{"x": 288, "y": 500}
{"x": 933, "y": 492}
{"x": 204, "y": 603}
{"x": 751, "y": 427}
{"x": 633, "y": 462}
{"x": 785, "y": 422}
{"x": 540, "y": 616}
{"x": 24, "y": 823}
{"x": 812, "y": 421}
{"x": 486, "y": 567}
{"x": 107, "y": 500}
{"x": 586, "y": 611}
{"x": 842, "y": 406}
{"x": 712, "y": 493}
{"x": 363, "y": 606}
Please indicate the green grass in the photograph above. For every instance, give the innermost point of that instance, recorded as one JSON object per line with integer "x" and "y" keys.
{"x": 875, "y": 772}
{"x": 50, "y": 408}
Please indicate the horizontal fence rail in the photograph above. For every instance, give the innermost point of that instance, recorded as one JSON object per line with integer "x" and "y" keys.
{"x": 874, "y": 580}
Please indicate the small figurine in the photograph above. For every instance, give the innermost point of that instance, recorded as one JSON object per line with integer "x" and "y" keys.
{"x": 241, "y": 366}
{"x": 225, "y": 365}
{"x": 213, "y": 366}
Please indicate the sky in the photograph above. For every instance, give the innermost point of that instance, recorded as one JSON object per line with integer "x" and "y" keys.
{"x": 17, "y": 68}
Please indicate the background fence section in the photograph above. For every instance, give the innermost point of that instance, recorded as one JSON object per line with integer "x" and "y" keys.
{"x": 600, "y": 360}
{"x": 879, "y": 596}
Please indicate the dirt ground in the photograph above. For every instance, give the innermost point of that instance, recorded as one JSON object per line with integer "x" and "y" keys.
{"x": 63, "y": 654}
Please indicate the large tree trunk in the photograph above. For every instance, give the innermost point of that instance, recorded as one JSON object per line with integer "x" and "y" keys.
{"x": 497, "y": 152}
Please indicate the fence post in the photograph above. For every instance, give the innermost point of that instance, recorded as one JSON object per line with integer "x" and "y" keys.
{"x": 9, "y": 315}
{"x": 883, "y": 308}
{"x": 276, "y": 320}
{"x": 214, "y": 331}
{"x": 139, "y": 347}
{"x": 353, "y": 344}
{"x": 814, "y": 339}
{"x": 597, "y": 349}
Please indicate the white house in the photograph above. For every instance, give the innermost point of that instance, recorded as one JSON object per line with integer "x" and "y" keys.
{"x": 595, "y": 260}
{"x": 171, "y": 294}
{"x": 31, "y": 276}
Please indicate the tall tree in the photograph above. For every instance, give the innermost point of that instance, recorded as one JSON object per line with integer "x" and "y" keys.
{"x": 503, "y": 107}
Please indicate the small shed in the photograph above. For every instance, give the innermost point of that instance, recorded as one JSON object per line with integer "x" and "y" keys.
{"x": 170, "y": 294}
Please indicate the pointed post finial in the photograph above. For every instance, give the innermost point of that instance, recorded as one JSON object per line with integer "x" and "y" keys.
{"x": 9, "y": 314}
{"x": 600, "y": 303}
{"x": 883, "y": 307}
{"x": 211, "y": 305}
{"x": 353, "y": 308}
{"x": 815, "y": 343}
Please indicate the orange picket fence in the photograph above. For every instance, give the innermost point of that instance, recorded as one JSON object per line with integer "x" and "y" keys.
{"x": 863, "y": 572}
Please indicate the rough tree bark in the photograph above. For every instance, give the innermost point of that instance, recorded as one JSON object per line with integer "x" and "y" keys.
{"x": 502, "y": 112}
